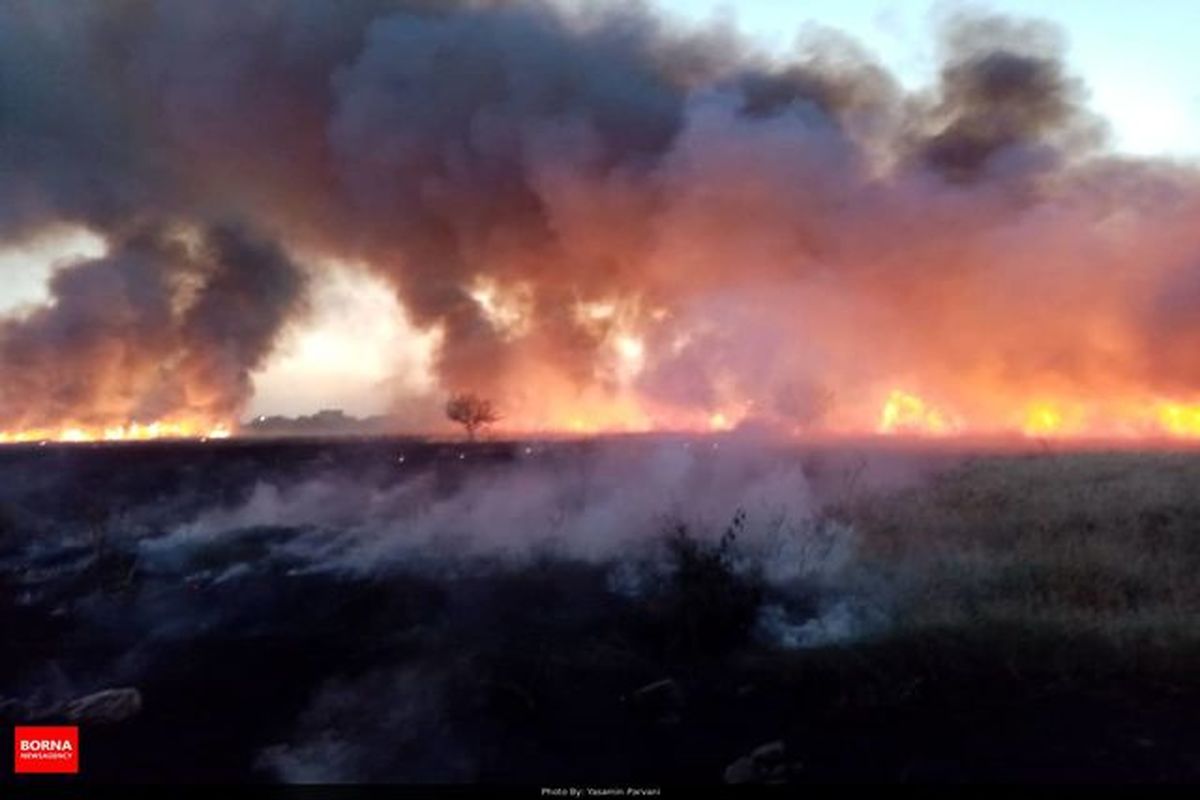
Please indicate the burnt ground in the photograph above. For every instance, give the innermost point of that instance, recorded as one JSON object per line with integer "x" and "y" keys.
{"x": 532, "y": 671}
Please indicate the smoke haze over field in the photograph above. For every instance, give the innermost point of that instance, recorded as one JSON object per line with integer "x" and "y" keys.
{"x": 604, "y": 221}
{"x": 594, "y": 506}
{"x": 297, "y": 588}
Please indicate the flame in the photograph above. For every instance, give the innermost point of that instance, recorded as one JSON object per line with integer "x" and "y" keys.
{"x": 1180, "y": 420}
{"x": 129, "y": 432}
{"x": 904, "y": 412}
{"x": 1100, "y": 418}
{"x": 1044, "y": 418}
{"x": 506, "y": 308}
{"x": 561, "y": 408}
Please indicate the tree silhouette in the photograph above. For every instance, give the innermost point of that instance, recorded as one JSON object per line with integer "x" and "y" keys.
{"x": 471, "y": 411}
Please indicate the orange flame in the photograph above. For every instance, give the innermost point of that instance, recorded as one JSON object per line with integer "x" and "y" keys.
{"x": 130, "y": 432}
{"x": 905, "y": 413}
{"x": 1180, "y": 420}
{"x": 901, "y": 413}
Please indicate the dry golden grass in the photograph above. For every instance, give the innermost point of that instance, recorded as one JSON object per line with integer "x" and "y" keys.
{"x": 1096, "y": 543}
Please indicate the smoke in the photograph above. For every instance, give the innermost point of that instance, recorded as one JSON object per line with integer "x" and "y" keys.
{"x": 501, "y": 538}
{"x": 611, "y": 221}
{"x": 594, "y": 506}
{"x": 334, "y": 748}
{"x": 357, "y": 610}
{"x": 1007, "y": 108}
{"x": 167, "y": 323}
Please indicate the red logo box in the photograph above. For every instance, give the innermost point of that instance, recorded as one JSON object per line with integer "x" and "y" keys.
{"x": 46, "y": 748}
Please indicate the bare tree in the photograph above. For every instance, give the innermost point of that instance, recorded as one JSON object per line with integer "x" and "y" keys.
{"x": 472, "y": 412}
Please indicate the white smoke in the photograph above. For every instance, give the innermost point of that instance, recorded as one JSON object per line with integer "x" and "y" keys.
{"x": 596, "y": 506}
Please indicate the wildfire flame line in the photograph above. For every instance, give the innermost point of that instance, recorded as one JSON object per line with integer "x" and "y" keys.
{"x": 906, "y": 413}
{"x": 130, "y": 432}
{"x": 902, "y": 413}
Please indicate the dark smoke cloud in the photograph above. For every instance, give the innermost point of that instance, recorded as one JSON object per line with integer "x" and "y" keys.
{"x": 167, "y": 322}
{"x": 780, "y": 236}
{"x": 1005, "y": 94}
{"x": 443, "y": 128}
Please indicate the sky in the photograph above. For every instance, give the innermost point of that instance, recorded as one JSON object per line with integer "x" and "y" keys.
{"x": 1138, "y": 59}
{"x": 1139, "y": 66}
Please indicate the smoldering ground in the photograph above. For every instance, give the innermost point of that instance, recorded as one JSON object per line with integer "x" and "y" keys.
{"x": 654, "y": 610}
{"x": 377, "y": 608}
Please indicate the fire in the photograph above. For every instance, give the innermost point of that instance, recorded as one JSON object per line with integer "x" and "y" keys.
{"x": 718, "y": 422}
{"x": 1100, "y": 418}
{"x": 1045, "y": 418}
{"x": 804, "y": 245}
{"x": 129, "y": 432}
{"x": 591, "y": 413}
{"x": 905, "y": 413}
{"x": 507, "y": 309}
{"x": 1180, "y": 420}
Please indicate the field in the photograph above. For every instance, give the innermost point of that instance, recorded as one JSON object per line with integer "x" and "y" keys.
{"x": 648, "y": 612}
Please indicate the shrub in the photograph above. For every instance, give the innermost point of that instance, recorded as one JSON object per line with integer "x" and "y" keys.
{"x": 708, "y": 605}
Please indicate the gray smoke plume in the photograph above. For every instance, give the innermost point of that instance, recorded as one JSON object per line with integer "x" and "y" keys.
{"x": 162, "y": 325}
{"x": 783, "y": 237}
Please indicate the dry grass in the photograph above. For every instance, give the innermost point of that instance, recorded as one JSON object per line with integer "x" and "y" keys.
{"x": 1095, "y": 543}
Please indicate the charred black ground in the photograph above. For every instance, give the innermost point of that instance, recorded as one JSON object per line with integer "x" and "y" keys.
{"x": 1033, "y": 620}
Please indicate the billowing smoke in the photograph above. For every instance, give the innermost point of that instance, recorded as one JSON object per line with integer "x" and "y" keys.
{"x": 612, "y": 222}
{"x": 158, "y": 328}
